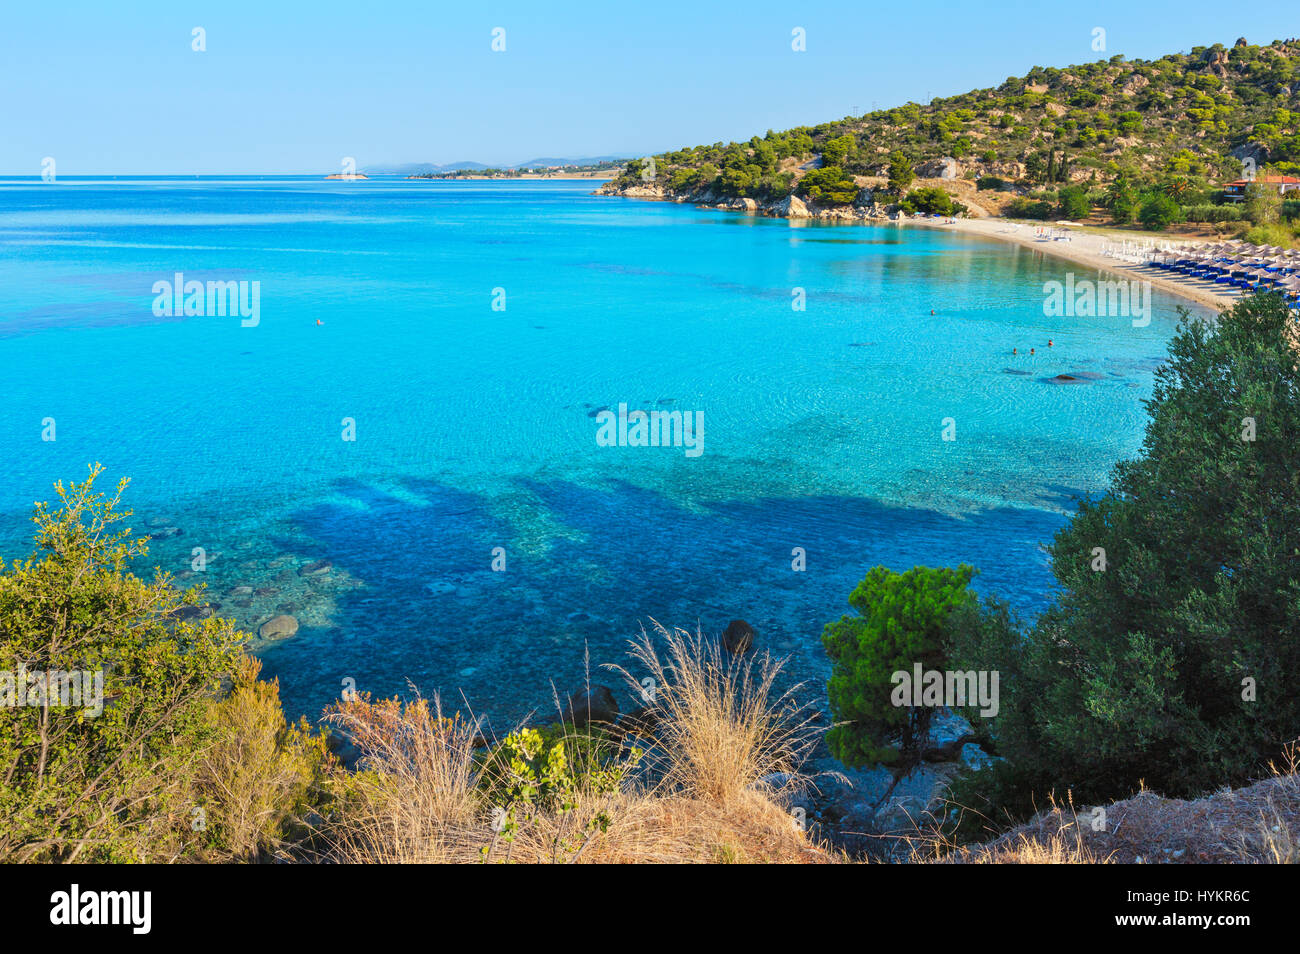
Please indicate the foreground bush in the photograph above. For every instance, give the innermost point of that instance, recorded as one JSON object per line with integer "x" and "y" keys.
{"x": 1171, "y": 653}
{"x": 260, "y": 775}
{"x": 147, "y": 764}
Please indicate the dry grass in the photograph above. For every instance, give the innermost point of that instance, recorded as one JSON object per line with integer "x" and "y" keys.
{"x": 653, "y": 828}
{"x": 419, "y": 794}
{"x": 724, "y": 730}
{"x": 413, "y": 798}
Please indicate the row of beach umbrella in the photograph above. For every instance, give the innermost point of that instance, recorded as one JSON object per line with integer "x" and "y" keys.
{"x": 1232, "y": 264}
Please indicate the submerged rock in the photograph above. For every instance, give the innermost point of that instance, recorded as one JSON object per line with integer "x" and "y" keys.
{"x": 738, "y": 637}
{"x": 319, "y": 568}
{"x": 191, "y": 612}
{"x": 278, "y": 627}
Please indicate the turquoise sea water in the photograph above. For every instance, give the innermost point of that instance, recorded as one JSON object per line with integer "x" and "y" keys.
{"x": 475, "y": 428}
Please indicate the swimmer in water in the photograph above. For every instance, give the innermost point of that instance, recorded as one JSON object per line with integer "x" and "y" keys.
{"x": 1015, "y": 351}
{"x": 1049, "y": 342}
{"x": 1031, "y": 350}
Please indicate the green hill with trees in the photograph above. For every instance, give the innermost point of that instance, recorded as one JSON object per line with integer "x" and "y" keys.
{"x": 1117, "y": 133}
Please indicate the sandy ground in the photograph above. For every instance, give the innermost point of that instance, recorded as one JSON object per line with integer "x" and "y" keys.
{"x": 1086, "y": 248}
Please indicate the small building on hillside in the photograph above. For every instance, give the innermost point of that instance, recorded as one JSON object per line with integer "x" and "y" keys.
{"x": 1236, "y": 191}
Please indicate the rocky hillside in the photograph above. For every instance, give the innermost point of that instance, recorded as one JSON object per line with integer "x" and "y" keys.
{"x": 1194, "y": 116}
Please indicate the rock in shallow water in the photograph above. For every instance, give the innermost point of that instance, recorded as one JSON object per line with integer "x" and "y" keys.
{"x": 192, "y": 612}
{"x": 738, "y": 636}
{"x": 278, "y": 627}
{"x": 598, "y": 706}
{"x": 640, "y": 721}
{"x": 319, "y": 568}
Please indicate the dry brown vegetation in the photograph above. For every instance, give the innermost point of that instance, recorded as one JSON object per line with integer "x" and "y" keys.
{"x": 704, "y": 793}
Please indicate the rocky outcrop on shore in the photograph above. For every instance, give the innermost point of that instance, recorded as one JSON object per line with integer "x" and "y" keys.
{"x": 788, "y": 207}
{"x": 878, "y": 811}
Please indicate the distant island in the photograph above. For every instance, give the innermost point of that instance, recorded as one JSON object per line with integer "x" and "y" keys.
{"x": 605, "y": 169}
{"x": 348, "y": 175}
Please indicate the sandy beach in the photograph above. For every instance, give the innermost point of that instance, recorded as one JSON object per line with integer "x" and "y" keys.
{"x": 1087, "y": 249}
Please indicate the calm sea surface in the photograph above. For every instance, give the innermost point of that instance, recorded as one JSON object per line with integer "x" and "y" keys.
{"x": 475, "y": 426}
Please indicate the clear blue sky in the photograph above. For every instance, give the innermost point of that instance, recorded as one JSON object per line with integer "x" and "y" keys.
{"x": 288, "y": 86}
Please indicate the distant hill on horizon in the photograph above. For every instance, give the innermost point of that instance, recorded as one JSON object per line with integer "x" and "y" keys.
{"x": 430, "y": 168}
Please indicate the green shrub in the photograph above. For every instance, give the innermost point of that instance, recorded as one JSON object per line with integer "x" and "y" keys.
{"x": 902, "y": 621}
{"x": 1263, "y": 205}
{"x": 1169, "y": 655}
{"x": 1024, "y": 208}
{"x": 1213, "y": 213}
{"x": 1073, "y": 202}
{"x": 1274, "y": 233}
{"x": 548, "y": 770}
{"x": 115, "y": 785}
{"x": 902, "y": 173}
{"x": 1159, "y": 212}
{"x": 260, "y": 775}
{"x": 830, "y": 185}
{"x": 930, "y": 200}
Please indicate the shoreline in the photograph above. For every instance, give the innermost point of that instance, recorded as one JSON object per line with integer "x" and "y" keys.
{"x": 1086, "y": 249}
